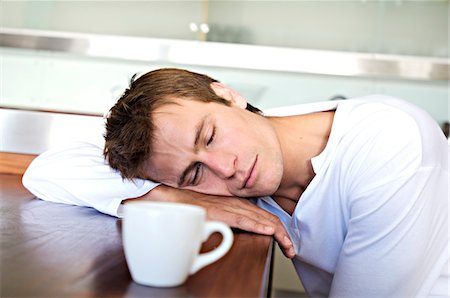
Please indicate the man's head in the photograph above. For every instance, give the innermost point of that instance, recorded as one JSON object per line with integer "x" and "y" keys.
{"x": 129, "y": 125}
{"x": 167, "y": 114}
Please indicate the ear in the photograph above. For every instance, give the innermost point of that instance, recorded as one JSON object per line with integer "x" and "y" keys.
{"x": 229, "y": 94}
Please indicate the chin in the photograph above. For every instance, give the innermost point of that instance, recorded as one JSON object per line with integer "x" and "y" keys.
{"x": 273, "y": 188}
{"x": 267, "y": 190}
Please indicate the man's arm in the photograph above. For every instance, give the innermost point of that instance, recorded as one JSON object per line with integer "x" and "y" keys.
{"x": 77, "y": 174}
{"x": 236, "y": 212}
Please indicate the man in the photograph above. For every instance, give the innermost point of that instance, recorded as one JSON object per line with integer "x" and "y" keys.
{"x": 360, "y": 185}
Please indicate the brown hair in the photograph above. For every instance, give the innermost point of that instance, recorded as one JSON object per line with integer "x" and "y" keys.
{"x": 129, "y": 126}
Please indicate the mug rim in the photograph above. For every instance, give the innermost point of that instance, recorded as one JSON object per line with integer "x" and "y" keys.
{"x": 176, "y": 207}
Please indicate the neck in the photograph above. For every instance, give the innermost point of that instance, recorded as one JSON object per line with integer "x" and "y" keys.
{"x": 301, "y": 138}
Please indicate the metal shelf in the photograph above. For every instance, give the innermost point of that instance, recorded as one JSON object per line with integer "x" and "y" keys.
{"x": 230, "y": 55}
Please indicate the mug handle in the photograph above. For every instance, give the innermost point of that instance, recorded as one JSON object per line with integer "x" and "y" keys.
{"x": 207, "y": 258}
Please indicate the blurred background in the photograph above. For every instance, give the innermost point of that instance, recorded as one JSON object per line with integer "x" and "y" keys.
{"x": 78, "y": 56}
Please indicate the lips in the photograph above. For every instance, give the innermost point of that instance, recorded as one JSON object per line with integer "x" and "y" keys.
{"x": 250, "y": 176}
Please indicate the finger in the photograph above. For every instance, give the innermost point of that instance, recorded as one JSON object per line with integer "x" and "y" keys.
{"x": 242, "y": 221}
{"x": 287, "y": 252}
{"x": 284, "y": 241}
{"x": 250, "y": 218}
{"x": 252, "y": 225}
{"x": 256, "y": 213}
{"x": 242, "y": 214}
{"x": 262, "y": 223}
{"x": 234, "y": 206}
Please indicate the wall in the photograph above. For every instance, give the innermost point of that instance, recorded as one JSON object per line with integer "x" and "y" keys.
{"x": 406, "y": 27}
{"x": 394, "y": 27}
{"x": 65, "y": 82}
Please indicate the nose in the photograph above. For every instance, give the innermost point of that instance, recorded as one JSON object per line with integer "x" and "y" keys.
{"x": 223, "y": 164}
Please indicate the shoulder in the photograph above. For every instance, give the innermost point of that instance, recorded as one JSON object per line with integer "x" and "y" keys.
{"x": 379, "y": 128}
{"x": 379, "y": 143}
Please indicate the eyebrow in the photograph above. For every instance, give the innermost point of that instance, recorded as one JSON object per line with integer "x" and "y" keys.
{"x": 198, "y": 129}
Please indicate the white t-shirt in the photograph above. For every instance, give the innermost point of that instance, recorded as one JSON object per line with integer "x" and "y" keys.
{"x": 77, "y": 174}
{"x": 373, "y": 221}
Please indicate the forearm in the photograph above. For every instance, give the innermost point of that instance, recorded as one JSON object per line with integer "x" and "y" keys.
{"x": 236, "y": 212}
{"x": 77, "y": 174}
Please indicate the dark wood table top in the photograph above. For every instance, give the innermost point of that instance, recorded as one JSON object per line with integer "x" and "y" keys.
{"x": 56, "y": 250}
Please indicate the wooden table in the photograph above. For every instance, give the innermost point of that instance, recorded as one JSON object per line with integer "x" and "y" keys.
{"x": 56, "y": 250}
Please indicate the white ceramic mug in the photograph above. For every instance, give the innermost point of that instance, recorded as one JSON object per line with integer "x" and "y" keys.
{"x": 162, "y": 241}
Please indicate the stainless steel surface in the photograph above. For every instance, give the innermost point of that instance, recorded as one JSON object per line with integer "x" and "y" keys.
{"x": 33, "y": 132}
{"x": 230, "y": 55}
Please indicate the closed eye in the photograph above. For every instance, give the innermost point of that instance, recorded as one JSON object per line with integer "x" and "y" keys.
{"x": 211, "y": 138}
{"x": 196, "y": 173}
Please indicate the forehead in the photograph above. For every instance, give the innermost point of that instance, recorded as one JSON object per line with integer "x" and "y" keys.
{"x": 178, "y": 107}
{"x": 183, "y": 114}
{"x": 179, "y": 116}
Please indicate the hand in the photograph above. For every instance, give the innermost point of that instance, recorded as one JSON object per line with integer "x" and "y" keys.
{"x": 236, "y": 212}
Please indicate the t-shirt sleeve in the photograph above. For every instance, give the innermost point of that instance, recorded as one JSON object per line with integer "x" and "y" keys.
{"x": 397, "y": 239}
{"x": 77, "y": 174}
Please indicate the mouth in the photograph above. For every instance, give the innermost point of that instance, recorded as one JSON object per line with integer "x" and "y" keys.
{"x": 250, "y": 176}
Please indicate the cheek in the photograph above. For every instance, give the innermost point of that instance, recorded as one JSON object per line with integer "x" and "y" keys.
{"x": 212, "y": 185}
